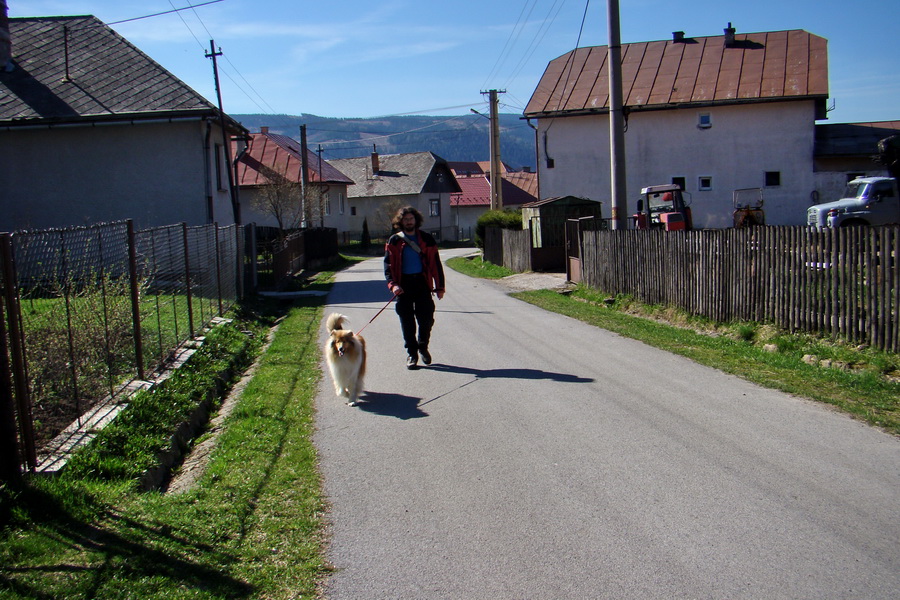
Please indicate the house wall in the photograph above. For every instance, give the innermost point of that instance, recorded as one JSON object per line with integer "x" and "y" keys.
{"x": 380, "y": 210}
{"x": 743, "y": 142}
{"x": 253, "y": 212}
{"x": 156, "y": 174}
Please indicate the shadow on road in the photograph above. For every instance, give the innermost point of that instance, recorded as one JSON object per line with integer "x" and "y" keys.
{"x": 512, "y": 374}
{"x": 391, "y": 405}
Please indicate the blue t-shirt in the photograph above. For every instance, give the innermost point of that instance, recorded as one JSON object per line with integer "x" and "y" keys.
{"x": 411, "y": 261}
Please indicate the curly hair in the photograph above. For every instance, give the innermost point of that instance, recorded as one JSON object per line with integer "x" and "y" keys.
{"x": 407, "y": 210}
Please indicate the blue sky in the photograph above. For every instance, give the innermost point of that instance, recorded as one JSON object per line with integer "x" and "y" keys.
{"x": 366, "y": 58}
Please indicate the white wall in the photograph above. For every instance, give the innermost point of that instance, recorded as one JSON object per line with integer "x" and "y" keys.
{"x": 156, "y": 174}
{"x": 743, "y": 143}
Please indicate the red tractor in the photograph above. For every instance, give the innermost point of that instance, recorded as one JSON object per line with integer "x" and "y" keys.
{"x": 663, "y": 207}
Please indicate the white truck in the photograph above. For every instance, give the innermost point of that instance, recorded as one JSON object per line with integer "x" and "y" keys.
{"x": 868, "y": 201}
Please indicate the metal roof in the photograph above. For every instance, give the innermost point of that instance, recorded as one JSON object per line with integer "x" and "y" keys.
{"x": 476, "y": 190}
{"x": 665, "y": 74}
{"x": 70, "y": 69}
{"x": 280, "y": 154}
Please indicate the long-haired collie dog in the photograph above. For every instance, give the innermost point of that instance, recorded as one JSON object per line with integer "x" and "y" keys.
{"x": 346, "y": 356}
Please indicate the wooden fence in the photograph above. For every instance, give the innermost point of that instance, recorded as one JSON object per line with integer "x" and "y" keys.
{"x": 509, "y": 248}
{"x": 840, "y": 282}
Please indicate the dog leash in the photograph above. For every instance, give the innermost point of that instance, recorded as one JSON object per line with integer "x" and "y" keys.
{"x": 376, "y": 314}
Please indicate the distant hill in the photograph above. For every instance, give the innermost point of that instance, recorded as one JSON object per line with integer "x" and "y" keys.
{"x": 462, "y": 138}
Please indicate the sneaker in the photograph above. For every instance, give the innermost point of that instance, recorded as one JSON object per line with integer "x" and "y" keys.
{"x": 411, "y": 362}
{"x": 426, "y": 356}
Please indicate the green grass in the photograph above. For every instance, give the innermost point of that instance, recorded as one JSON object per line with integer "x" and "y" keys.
{"x": 476, "y": 266}
{"x": 251, "y": 528}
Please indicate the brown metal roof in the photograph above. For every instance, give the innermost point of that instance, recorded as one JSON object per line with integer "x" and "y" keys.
{"x": 660, "y": 74}
{"x": 279, "y": 154}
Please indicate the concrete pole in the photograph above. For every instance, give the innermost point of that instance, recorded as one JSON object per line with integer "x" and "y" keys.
{"x": 496, "y": 178}
{"x": 616, "y": 121}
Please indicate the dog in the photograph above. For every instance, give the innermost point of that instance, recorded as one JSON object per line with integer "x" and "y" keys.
{"x": 346, "y": 356}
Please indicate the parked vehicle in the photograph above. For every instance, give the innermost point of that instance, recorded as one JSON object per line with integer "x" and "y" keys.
{"x": 748, "y": 207}
{"x": 868, "y": 201}
{"x": 663, "y": 207}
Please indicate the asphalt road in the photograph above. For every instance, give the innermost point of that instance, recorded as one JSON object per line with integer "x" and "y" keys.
{"x": 538, "y": 457}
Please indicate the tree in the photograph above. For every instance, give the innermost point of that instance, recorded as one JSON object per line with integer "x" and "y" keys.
{"x": 282, "y": 198}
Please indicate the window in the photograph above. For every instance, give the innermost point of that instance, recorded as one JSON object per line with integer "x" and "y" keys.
{"x": 341, "y": 203}
{"x": 704, "y": 120}
{"x": 680, "y": 182}
{"x": 434, "y": 207}
{"x": 773, "y": 178}
{"x": 327, "y": 197}
{"x": 352, "y": 211}
{"x": 704, "y": 183}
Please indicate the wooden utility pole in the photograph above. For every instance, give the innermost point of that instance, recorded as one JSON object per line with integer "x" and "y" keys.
{"x": 304, "y": 179}
{"x": 226, "y": 143}
{"x": 496, "y": 165}
{"x": 616, "y": 121}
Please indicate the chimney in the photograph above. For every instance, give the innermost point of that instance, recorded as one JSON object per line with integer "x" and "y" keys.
{"x": 261, "y": 129}
{"x": 526, "y": 169}
{"x": 375, "y": 163}
{"x": 5, "y": 39}
{"x": 729, "y": 36}
{"x": 677, "y": 36}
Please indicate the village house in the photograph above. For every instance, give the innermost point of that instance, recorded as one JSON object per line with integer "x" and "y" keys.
{"x": 270, "y": 179}
{"x": 474, "y": 198}
{"x": 382, "y": 184}
{"x": 93, "y": 130}
{"x": 712, "y": 114}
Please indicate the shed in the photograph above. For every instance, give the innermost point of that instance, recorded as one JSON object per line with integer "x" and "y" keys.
{"x": 547, "y": 220}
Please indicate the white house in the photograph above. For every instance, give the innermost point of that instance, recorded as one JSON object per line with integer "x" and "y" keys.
{"x": 714, "y": 114}
{"x": 274, "y": 162}
{"x": 384, "y": 183}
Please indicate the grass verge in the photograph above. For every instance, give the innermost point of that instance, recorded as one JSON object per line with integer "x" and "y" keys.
{"x": 252, "y": 527}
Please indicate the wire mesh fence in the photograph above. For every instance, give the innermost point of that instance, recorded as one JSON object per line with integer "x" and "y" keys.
{"x": 88, "y": 309}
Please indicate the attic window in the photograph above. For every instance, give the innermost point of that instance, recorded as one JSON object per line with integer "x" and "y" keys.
{"x": 704, "y": 121}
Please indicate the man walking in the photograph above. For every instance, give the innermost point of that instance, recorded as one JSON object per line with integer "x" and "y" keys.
{"x": 413, "y": 271}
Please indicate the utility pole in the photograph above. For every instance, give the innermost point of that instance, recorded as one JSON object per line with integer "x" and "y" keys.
{"x": 322, "y": 191}
{"x": 616, "y": 121}
{"x": 304, "y": 179}
{"x": 496, "y": 165}
{"x": 226, "y": 143}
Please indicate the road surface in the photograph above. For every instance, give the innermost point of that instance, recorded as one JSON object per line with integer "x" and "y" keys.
{"x": 538, "y": 457}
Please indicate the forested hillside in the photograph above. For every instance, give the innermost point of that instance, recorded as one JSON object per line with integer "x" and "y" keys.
{"x": 461, "y": 138}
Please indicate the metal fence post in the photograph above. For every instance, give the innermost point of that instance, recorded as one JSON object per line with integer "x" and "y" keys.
{"x": 218, "y": 269}
{"x": 17, "y": 347}
{"x": 10, "y": 461}
{"x": 135, "y": 301}
{"x": 187, "y": 279}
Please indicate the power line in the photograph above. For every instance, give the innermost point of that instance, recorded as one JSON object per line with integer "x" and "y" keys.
{"x": 175, "y": 10}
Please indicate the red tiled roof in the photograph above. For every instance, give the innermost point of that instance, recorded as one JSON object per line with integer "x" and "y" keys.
{"x": 756, "y": 67}
{"x": 271, "y": 152}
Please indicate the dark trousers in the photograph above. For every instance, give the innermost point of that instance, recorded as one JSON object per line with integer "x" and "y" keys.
{"x": 415, "y": 307}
